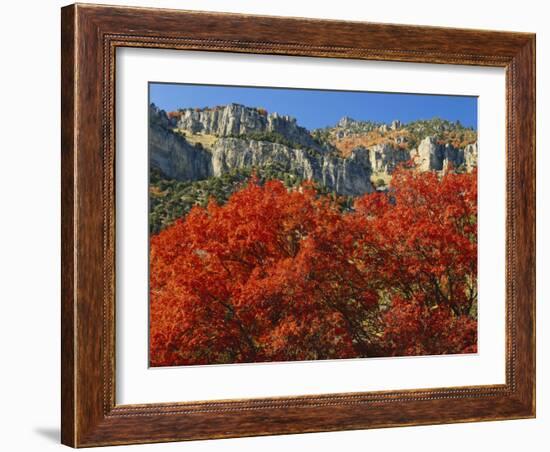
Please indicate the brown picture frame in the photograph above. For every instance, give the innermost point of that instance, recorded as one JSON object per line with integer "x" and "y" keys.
{"x": 90, "y": 36}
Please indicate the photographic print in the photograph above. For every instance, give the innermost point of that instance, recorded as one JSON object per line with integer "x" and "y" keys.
{"x": 294, "y": 224}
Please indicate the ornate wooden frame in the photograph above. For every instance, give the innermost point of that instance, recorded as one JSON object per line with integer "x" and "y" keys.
{"x": 90, "y": 35}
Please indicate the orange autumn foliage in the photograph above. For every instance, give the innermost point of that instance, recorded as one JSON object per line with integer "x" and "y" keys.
{"x": 367, "y": 140}
{"x": 174, "y": 114}
{"x": 400, "y": 139}
{"x": 278, "y": 275}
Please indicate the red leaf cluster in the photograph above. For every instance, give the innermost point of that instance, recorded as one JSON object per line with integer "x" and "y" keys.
{"x": 278, "y": 275}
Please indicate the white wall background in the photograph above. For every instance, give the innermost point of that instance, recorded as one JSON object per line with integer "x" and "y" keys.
{"x": 29, "y": 238}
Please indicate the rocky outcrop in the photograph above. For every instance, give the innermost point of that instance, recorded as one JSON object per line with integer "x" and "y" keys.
{"x": 470, "y": 157}
{"x": 429, "y": 155}
{"x": 351, "y": 125}
{"x": 176, "y": 158}
{"x": 350, "y": 176}
{"x": 171, "y": 154}
{"x": 433, "y": 156}
{"x": 384, "y": 158}
{"x": 234, "y": 120}
{"x": 242, "y": 145}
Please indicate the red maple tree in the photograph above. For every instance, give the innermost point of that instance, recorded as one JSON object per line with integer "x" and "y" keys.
{"x": 277, "y": 274}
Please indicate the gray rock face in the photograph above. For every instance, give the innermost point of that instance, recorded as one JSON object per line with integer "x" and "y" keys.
{"x": 396, "y": 124}
{"x": 432, "y": 156}
{"x": 429, "y": 155}
{"x": 171, "y": 154}
{"x": 384, "y": 158}
{"x": 347, "y": 126}
{"x": 346, "y": 122}
{"x": 178, "y": 159}
{"x": 470, "y": 156}
{"x": 349, "y": 176}
{"x": 234, "y": 120}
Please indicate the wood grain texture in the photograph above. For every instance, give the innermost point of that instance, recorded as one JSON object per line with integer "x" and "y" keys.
{"x": 90, "y": 36}
{"x": 67, "y": 226}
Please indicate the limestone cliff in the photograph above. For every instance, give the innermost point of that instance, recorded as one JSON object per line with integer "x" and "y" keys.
{"x": 235, "y": 120}
{"x": 434, "y": 156}
{"x": 241, "y": 137}
{"x": 177, "y": 158}
{"x": 171, "y": 154}
{"x": 350, "y": 176}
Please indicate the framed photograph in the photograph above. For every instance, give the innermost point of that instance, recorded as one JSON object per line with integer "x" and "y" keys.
{"x": 280, "y": 225}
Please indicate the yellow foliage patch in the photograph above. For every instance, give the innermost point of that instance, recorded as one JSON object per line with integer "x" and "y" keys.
{"x": 207, "y": 141}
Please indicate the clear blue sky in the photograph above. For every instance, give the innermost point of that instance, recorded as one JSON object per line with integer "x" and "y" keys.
{"x": 319, "y": 108}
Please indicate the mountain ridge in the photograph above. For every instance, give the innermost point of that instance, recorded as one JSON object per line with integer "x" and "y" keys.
{"x": 210, "y": 152}
{"x": 191, "y": 143}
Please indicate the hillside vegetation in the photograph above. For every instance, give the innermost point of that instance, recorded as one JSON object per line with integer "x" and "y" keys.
{"x": 216, "y": 150}
{"x": 344, "y": 138}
